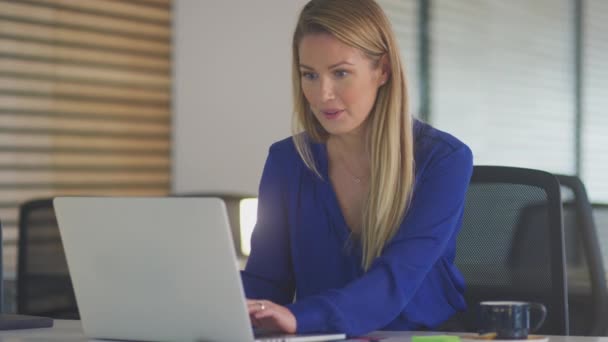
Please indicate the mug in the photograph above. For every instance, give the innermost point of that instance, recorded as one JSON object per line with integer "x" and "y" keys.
{"x": 509, "y": 320}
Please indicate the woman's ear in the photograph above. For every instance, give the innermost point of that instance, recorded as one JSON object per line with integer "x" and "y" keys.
{"x": 385, "y": 70}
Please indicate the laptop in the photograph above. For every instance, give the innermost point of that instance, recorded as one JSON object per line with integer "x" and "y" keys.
{"x": 156, "y": 269}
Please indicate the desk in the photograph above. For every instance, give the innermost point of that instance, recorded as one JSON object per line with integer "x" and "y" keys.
{"x": 71, "y": 331}
{"x": 67, "y": 331}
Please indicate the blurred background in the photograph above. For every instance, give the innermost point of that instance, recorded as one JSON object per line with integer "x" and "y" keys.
{"x": 161, "y": 97}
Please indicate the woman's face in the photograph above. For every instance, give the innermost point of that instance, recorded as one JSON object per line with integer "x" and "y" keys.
{"x": 339, "y": 82}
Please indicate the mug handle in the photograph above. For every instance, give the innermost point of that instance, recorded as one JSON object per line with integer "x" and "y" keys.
{"x": 543, "y": 313}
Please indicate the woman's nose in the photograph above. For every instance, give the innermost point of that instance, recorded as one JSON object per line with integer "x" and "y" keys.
{"x": 327, "y": 90}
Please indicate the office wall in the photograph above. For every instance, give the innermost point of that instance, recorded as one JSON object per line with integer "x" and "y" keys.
{"x": 232, "y": 92}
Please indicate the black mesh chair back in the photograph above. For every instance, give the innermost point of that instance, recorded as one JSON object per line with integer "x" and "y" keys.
{"x": 1, "y": 272}
{"x": 510, "y": 215}
{"x": 587, "y": 295}
{"x": 44, "y": 287}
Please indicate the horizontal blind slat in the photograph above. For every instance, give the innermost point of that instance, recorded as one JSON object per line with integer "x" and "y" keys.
{"x": 164, "y": 4}
{"x": 78, "y": 177}
{"x": 55, "y": 159}
{"x": 26, "y": 194}
{"x": 34, "y": 68}
{"x": 52, "y": 124}
{"x": 13, "y": 29}
{"x": 80, "y": 56}
{"x": 67, "y": 89}
{"x": 52, "y": 141}
{"x": 18, "y": 103}
{"x": 121, "y": 9}
{"x": 85, "y": 22}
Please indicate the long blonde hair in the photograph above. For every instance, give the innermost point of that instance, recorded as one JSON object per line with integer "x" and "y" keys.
{"x": 363, "y": 25}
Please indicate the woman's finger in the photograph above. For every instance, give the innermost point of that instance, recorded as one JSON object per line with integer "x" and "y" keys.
{"x": 257, "y": 305}
{"x": 269, "y": 324}
{"x": 252, "y": 303}
{"x": 264, "y": 314}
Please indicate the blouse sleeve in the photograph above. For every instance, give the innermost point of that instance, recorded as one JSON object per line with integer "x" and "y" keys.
{"x": 268, "y": 273}
{"x": 381, "y": 294}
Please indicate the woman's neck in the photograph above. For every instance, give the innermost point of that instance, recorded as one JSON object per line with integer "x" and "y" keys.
{"x": 347, "y": 146}
{"x": 351, "y": 145}
{"x": 350, "y": 149}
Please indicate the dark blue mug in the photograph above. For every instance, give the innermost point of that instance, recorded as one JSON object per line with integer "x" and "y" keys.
{"x": 509, "y": 320}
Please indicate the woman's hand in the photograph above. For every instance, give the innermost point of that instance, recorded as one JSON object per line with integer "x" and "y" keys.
{"x": 267, "y": 315}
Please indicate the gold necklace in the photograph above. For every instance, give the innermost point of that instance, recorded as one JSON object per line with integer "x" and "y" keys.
{"x": 352, "y": 174}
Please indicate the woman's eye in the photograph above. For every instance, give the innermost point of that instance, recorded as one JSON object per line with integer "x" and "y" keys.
{"x": 340, "y": 73}
{"x": 309, "y": 75}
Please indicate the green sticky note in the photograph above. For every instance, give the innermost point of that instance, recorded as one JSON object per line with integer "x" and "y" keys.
{"x": 436, "y": 338}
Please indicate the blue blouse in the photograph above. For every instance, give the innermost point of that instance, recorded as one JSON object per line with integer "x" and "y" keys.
{"x": 301, "y": 245}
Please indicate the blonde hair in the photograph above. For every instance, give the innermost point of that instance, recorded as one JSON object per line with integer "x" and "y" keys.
{"x": 362, "y": 24}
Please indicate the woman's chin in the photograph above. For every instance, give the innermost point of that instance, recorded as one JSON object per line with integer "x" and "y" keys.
{"x": 341, "y": 128}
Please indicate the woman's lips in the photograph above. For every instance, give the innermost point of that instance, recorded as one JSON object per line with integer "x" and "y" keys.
{"x": 332, "y": 113}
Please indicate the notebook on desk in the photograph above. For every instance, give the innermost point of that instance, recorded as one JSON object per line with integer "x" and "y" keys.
{"x": 156, "y": 269}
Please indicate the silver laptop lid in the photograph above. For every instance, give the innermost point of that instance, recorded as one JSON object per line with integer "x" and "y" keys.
{"x": 153, "y": 268}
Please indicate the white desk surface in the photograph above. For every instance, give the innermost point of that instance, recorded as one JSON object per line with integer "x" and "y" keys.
{"x": 63, "y": 330}
{"x": 71, "y": 331}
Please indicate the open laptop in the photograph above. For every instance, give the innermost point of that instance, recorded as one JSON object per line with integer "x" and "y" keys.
{"x": 156, "y": 269}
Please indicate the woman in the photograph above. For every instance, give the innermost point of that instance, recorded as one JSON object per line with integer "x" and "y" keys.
{"x": 358, "y": 214}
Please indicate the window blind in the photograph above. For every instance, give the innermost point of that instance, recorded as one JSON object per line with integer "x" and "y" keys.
{"x": 594, "y": 100}
{"x": 594, "y": 104}
{"x": 502, "y": 80}
{"x": 84, "y": 102}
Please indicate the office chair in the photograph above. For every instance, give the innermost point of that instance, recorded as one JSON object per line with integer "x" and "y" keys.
{"x": 10, "y": 321}
{"x": 1, "y": 271}
{"x": 490, "y": 254}
{"x": 587, "y": 294}
{"x": 44, "y": 287}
